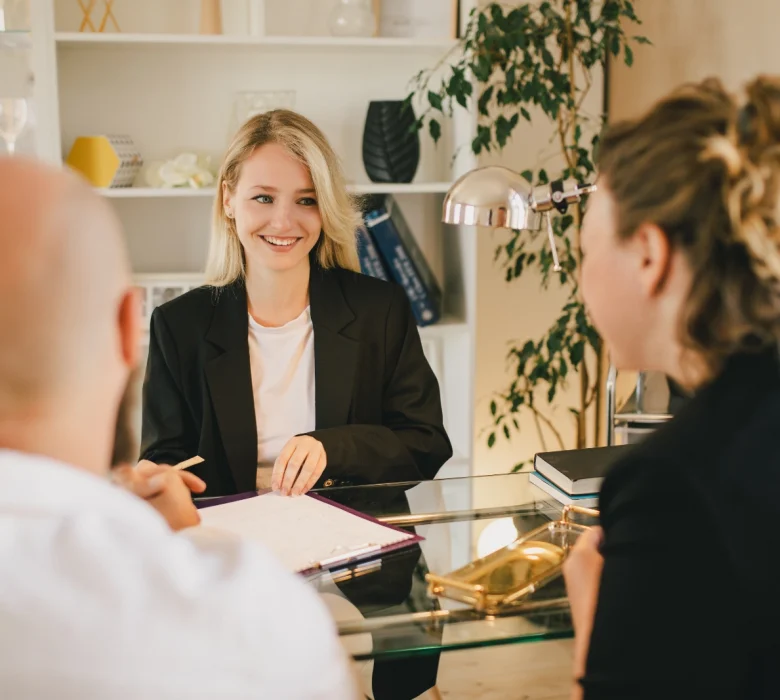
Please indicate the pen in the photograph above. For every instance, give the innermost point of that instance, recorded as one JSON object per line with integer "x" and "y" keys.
{"x": 347, "y": 556}
{"x": 191, "y": 462}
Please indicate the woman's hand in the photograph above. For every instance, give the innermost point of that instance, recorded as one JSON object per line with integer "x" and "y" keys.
{"x": 165, "y": 489}
{"x": 298, "y": 466}
{"x": 582, "y": 573}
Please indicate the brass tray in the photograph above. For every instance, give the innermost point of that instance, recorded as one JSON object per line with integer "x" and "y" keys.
{"x": 511, "y": 573}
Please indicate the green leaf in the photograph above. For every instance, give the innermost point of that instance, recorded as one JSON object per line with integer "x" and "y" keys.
{"x": 504, "y": 128}
{"x": 629, "y": 55}
{"x": 543, "y": 179}
{"x": 434, "y": 129}
{"x": 482, "y": 68}
{"x": 506, "y": 431}
{"x": 577, "y": 352}
{"x": 491, "y": 440}
{"x": 615, "y": 44}
{"x": 519, "y": 466}
{"x": 519, "y": 262}
{"x": 642, "y": 40}
{"x": 481, "y": 140}
{"x": 525, "y": 114}
{"x": 493, "y": 408}
{"x": 435, "y": 100}
{"x": 527, "y": 175}
{"x": 484, "y": 100}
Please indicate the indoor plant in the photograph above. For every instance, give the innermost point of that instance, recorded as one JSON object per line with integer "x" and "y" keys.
{"x": 512, "y": 61}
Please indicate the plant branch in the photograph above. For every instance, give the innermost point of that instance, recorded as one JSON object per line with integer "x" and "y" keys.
{"x": 539, "y": 416}
{"x": 540, "y": 432}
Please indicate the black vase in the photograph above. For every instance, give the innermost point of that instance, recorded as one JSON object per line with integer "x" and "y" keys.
{"x": 391, "y": 150}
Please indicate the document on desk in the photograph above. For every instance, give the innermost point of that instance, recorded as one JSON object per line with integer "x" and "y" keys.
{"x": 306, "y": 533}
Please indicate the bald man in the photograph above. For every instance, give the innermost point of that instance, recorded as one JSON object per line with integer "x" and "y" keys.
{"x": 98, "y": 597}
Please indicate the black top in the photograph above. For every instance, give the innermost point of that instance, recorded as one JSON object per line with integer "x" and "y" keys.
{"x": 689, "y": 603}
{"x": 378, "y": 409}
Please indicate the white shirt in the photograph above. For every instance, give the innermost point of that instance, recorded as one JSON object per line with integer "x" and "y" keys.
{"x": 98, "y": 599}
{"x": 282, "y": 365}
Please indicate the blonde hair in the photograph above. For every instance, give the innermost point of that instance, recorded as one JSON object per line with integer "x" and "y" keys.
{"x": 341, "y": 218}
{"x": 706, "y": 170}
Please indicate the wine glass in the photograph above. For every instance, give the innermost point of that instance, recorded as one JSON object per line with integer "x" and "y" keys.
{"x": 13, "y": 118}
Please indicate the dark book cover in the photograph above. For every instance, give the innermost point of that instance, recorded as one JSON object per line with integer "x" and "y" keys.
{"x": 404, "y": 259}
{"x": 371, "y": 262}
{"x": 579, "y": 471}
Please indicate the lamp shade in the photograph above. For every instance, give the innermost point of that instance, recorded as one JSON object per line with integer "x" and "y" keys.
{"x": 492, "y": 196}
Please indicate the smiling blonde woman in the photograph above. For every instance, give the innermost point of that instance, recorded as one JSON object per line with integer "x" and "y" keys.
{"x": 289, "y": 369}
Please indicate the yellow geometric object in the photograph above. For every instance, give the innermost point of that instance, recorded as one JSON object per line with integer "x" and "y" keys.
{"x": 86, "y": 9}
{"x": 106, "y": 161}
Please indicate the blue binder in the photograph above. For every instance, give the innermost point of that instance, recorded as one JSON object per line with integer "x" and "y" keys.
{"x": 404, "y": 260}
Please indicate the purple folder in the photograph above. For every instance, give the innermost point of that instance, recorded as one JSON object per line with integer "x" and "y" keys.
{"x": 347, "y": 559}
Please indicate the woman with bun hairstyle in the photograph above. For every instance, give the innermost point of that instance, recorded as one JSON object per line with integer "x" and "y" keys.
{"x": 677, "y": 595}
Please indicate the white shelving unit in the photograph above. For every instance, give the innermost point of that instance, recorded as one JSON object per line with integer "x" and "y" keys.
{"x": 172, "y": 90}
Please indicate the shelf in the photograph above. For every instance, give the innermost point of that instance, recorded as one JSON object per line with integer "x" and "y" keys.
{"x": 73, "y": 39}
{"x": 209, "y": 192}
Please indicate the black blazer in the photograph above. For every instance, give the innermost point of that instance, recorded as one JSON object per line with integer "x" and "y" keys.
{"x": 378, "y": 408}
{"x": 689, "y": 604}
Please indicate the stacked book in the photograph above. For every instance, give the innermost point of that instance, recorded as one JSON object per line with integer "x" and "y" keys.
{"x": 575, "y": 476}
{"x": 388, "y": 250}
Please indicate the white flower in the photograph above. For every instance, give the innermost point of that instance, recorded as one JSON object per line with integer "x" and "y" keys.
{"x": 185, "y": 170}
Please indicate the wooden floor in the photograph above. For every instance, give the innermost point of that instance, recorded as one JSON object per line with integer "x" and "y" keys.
{"x": 538, "y": 671}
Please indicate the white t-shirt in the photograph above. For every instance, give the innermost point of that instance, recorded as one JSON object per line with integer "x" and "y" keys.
{"x": 282, "y": 365}
{"x": 99, "y": 599}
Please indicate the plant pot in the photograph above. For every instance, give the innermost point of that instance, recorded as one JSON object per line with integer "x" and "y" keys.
{"x": 391, "y": 150}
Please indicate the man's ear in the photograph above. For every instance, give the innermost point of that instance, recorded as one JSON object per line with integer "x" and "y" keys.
{"x": 655, "y": 257}
{"x": 129, "y": 322}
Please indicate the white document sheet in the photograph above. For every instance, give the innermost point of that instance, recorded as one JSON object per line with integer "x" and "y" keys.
{"x": 302, "y": 531}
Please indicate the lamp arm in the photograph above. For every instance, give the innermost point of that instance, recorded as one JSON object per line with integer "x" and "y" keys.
{"x": 557, "y": 195}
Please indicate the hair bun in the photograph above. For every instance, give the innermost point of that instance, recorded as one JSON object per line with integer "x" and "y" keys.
{"x": 758, "y": 121}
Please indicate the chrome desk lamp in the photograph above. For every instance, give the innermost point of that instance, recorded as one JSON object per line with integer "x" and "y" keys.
{"x": 498, "y": 197}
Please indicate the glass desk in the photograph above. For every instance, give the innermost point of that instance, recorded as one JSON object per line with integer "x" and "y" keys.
{"x": 382, "y": 607}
